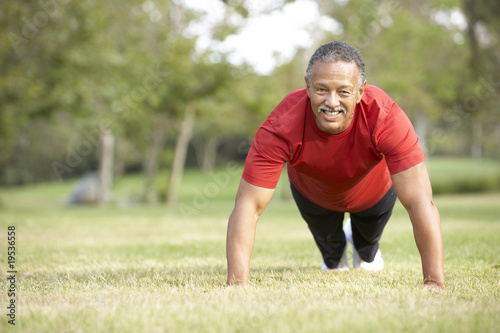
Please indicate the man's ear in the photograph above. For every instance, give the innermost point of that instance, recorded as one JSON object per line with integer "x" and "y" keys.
{"x": 361, "y": 91}
{"x": 308, "y": 87}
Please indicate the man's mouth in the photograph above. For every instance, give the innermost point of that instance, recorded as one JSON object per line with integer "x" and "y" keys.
{"x": 332, "y": 111}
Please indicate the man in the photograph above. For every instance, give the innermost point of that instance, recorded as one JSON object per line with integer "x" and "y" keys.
{"x": 349, "y": 149}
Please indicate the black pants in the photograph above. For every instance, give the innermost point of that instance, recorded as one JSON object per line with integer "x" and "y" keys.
{"x": 326, "y": 227}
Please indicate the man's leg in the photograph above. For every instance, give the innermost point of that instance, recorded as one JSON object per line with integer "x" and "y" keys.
{"x": 368, "y": 225}
{"x": 325, "y": 226}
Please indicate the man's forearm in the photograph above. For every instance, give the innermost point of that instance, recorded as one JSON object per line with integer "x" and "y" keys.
{"x": 428, "y": 237}
{"x": 250, "y": 202}
{"x": 239, "y": 246}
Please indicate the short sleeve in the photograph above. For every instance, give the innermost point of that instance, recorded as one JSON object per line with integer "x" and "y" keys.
{"x": 269, "y": 152}
{"x": 396, "y": 139}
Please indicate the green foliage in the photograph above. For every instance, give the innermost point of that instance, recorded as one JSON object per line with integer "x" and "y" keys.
{"x": 129, "y": 66}
{"x": 41, "y": 143}
{"x": 111, "y": 65}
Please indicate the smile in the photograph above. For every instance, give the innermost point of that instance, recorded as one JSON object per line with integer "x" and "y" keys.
{"x": 332, "y": 112}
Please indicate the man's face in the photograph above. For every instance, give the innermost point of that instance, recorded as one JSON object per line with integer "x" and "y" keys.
{"x": 334, "y": 85}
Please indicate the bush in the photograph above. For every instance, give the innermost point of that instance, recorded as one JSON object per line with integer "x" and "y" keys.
{"x": 464, "y": 175}
{"x": 487, "y": 183}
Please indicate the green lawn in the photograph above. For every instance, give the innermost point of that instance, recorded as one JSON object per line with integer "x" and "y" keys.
{"x": 162, "y": 269}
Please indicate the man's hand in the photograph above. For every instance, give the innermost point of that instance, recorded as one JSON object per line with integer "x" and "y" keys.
{"x": 431, "y": 285}
{"x": 413, "y": 189}
{"x": 250, "y": 202}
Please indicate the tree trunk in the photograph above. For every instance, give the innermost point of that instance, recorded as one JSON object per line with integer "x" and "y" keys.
{"x": 106, "y": 165}
{"x": 206, "y": 153}
{"x": 210, "y": 154}
{"x": 153, "y": 151}
{"x": 121, "y": 148}
{"x": 472, "y": 19}
{"x": 181, "y": 149}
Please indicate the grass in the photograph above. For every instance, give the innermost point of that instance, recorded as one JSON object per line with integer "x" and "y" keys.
{"x": 151, "y": 268}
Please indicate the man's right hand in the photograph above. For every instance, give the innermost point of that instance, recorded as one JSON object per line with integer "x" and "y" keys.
{"x": 250, "y": 202}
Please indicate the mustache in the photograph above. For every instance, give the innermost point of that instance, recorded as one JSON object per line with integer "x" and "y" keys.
{"x": 339, "y": 108}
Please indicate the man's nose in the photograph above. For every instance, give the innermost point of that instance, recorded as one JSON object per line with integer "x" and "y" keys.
{"x": 332, "y": 100}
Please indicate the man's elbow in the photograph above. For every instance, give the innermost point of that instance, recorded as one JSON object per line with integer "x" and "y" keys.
{"x": 421, "y": 206}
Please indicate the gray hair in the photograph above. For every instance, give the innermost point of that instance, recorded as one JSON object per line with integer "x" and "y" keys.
{"x": 337, "y": 51}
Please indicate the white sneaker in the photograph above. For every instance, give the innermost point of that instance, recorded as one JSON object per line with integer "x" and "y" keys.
{"x": 357, "y": 263}
{"x": 376, "y": 265}
{"x": 342, "y": 266}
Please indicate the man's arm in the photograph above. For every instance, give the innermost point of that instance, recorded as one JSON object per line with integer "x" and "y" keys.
{"x": 413, "y": 189}
{"x": 250, "y": 202}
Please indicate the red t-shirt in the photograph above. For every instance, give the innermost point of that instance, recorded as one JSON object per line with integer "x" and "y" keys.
{"x": 344, "y": 172}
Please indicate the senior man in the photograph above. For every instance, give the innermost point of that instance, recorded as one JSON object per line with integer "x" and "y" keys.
{"x": 349, "y": 148}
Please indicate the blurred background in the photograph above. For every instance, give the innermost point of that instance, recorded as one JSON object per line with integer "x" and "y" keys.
{"x": 92, "y": 92}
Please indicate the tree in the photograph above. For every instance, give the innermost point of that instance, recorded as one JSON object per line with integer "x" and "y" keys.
{"x": 481, "y": 96}
{"x": 25, "y": 78}
{"x": 100, "y": 72}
